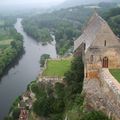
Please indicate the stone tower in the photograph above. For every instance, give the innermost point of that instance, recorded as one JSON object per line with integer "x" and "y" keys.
{"x": 100, "y": 50}
{"x": 99, "y": 47}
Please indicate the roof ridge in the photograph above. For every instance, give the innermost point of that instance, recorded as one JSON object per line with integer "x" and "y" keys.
{"x": 95, "y": 25}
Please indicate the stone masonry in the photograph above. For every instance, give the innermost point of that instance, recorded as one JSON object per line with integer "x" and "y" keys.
{"x": 100, "y": 51}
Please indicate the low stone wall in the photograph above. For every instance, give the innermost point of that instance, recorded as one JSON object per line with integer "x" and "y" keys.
{"x": 51, "y": 80}
{"x": 103, "y": 94}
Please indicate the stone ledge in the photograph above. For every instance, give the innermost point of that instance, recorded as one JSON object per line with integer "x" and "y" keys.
{"x": 110, "y": 80}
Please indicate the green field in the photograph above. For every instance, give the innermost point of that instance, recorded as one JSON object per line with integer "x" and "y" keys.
{"x": 5, "y": 43}
{"x": 1, "y": 22}
{"x": 57, "y": 68}
{"x": 115, "y": 73}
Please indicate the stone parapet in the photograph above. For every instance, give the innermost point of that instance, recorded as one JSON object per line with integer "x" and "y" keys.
{"x": 103, "y": 94}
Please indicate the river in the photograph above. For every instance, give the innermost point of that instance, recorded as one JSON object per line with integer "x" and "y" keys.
{"x": 26, "y": 70}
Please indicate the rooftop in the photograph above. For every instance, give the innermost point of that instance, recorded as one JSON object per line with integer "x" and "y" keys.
{"x": 96, "y": 30}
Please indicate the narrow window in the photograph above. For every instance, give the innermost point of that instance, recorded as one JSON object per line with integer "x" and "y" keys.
{"x": 84, "y": 46}
{"x": 91, "y": 58}
{"x": 86, "y": 75}
{"x": 105, "y": 43}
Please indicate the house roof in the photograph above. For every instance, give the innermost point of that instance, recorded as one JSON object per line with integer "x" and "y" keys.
{"x": 96, "y": 31}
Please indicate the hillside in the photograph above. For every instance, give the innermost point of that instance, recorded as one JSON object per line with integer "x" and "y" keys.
{"x": 113, "y": 18}
{"x": 65, "y": 24}
{"x": 71, "y": 3}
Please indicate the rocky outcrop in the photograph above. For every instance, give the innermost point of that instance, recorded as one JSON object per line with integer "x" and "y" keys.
{"x": 103, "y": 94}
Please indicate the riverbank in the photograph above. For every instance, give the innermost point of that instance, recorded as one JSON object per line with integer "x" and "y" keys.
{"x": 11, "y": 45}
{"x": 13, "y": 62}
{"x": 14, "y": 82}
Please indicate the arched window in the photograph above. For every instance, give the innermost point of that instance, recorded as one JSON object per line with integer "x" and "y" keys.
{"x": 105, "y": 43}
{"x": 105, "y": 62}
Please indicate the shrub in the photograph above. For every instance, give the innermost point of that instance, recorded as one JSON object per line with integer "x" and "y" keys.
{"x": 43, "y": 59}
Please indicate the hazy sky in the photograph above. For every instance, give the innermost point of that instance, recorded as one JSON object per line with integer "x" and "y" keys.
{"x": 38, "y": 2}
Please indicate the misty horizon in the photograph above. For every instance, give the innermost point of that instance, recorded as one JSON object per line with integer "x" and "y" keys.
{"x": 20, "y": 5}
{"x": 45, "y": 3}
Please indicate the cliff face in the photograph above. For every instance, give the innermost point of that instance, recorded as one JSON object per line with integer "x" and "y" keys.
{"x": 103, "y": 94}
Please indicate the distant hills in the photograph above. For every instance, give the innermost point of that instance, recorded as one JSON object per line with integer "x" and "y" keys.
{"x": 71, "y": 3}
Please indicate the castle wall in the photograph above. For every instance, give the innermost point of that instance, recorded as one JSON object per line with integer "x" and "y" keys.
{"x": 103, "y": 94}
{"x": 93, "y": 60}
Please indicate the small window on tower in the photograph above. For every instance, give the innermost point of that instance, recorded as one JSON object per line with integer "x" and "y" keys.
{"x": 84, "y": 46}
{"x": 105, "y": 43}
{"x": 91, "y": 59}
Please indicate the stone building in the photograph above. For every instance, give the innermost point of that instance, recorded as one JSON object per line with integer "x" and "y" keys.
{"x": 99, "y": 47}
{"x": 100, "y": 50}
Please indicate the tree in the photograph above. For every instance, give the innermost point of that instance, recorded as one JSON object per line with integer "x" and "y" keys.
{"x": 41, "y": 107}
{"x": 43, "y": 59}
{"x": 16, "y": 113}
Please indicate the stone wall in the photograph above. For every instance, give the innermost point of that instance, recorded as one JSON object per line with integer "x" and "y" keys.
{"x": 80, "y": 50}
{"x": 51, "y": 80}
{"x": 103, "y": 94}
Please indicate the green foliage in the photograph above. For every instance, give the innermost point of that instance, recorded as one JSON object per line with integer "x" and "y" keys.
{"x": 48, "y": 105}
{"x": 59, "y": 90}
{"x": 94, "y": 115}
{"x": 76, "y": 74}
{"x": 39, "y": 91}
{"x": 8, "y": 118}
{"x": 11, "y": 43}
{"x": 16, "y": 113}
{"x": 113, "y": 18}
{"x": 56, "y": 116}
{"x": 41, "y": 106}
{"x": 41, "y": 35}
{"x": 43, "y": 59}
{"x": 15, "y": 104}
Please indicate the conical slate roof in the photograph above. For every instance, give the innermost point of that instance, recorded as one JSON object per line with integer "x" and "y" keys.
{"x": 96, "y": 32}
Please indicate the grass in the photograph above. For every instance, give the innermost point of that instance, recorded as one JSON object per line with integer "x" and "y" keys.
{"x": 73, "y": 115}
{"x": 57, "y": 68}
{"x": 115, "y": 73}
{"x": 6, "y": 42}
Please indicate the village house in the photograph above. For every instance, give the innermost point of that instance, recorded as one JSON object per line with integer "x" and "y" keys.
{"x": 98, "y": 46}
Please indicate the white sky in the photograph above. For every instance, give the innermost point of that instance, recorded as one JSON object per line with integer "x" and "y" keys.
{"x": 41, "y": 2}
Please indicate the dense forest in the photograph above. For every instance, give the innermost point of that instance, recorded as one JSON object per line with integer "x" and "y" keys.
{"x": 11, "y": 42}
{"x": 65, "y": 24}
